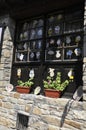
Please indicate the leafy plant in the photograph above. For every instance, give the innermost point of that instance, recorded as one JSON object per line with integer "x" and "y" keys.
{"x": 28, "y": 83}
{"x": 56, "y": 84}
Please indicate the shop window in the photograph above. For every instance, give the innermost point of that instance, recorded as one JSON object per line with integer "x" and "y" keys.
{"x": 52, "y": 41}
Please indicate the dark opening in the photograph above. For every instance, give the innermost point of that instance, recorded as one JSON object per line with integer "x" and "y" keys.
{"x": 22, "y": 121}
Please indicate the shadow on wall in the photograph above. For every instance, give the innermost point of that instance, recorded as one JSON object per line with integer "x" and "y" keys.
{"x": 76, "y": 97}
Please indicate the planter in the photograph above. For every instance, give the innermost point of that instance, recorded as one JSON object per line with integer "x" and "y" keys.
{"x": 52, "y": 93}
{"x": 23, "y": 89}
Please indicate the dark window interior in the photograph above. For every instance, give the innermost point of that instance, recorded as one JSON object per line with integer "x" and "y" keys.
{"x": 53, "y": 40}
{"x": 1, "y": 37}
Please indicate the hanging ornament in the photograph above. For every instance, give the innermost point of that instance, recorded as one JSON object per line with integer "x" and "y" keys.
{"x": 19, "y": 72}
{"x": 31, "y": 73}
{"x": 51, "y": 71}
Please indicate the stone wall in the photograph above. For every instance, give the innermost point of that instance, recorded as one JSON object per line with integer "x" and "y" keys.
{"x": 84, "y": 54}
{"x": 7, "y": 50}
{"x": 44, "y": 113}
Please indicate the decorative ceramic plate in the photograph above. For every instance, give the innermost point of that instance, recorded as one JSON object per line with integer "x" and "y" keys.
{"x": 37, "y": 90}
{"x": 9, "y": 87}
{"x": 57, "y": 29}
{"x": 50, "y": 52}
{"x": 68, "y": 40}
{"x": 78, "y": 38}
{"x": 77, "y": 51}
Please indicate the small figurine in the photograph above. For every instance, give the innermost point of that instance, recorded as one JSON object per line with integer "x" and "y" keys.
{"x": 51, "y": 71}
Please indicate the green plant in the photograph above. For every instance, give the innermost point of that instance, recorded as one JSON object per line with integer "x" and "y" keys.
{"x": 56, "y": 84}
{"x": 28, "y": 83}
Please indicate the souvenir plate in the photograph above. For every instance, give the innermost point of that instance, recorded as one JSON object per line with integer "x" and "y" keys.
{"x": 78, "y": 39}
{"x": 50, "y": 52}
{"x": 77, "y": 51}
{"x": 50, "y": 31}
{"x": 52, "y": 41}
{"x": 40, "y": 22}
{"x": 35, "y": 22}
{"x": 68, "y": 40}
{"x": 57, "y": 29}
{"x": 38, "y": 55}
{"x": 39, "y": 32}
{"x": 39, "y": 44}
{"x": 58, "y": 42}
{"x": 9, "y": 87}
{"x": 33, "y": 33}
{"x": 51, "y": 19}
{"x": 32, "y": 55}
{"x": 37, "y": 90}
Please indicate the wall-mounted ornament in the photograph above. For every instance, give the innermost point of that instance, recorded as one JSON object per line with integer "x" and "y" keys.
{"x": 40, "y": 22}
{"x": 51, "y": 71}
{"x": 33, "y": 33}
{"x": 52, "y": 41}
{"x": 21, "y": 56}
{"x": 77, "y": 51}
{"x": 9, "y": 87}
{"x": 31, "y": 73}
{"x": 57, "y": 29}
{"x": 19, "y": 72}
{"x": 58, "y": 42}
{"x": 51, "y": 52}
{"x": 25, "y": 46}
{"x": 39, "y": 44}
{"x": 69, "y": 53}
{"x": 38, "y": 55}
{"x": 71, "y": 75}
{"x": 58, "y": 54}
{"x": 77, "y": 38}
{"x": 39, "y": 32}
{"x": 51, "y": 19}
{"x": 68, "y": 40}
{"x": 50, "y": 31}
{"x": 37, "y": 90}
